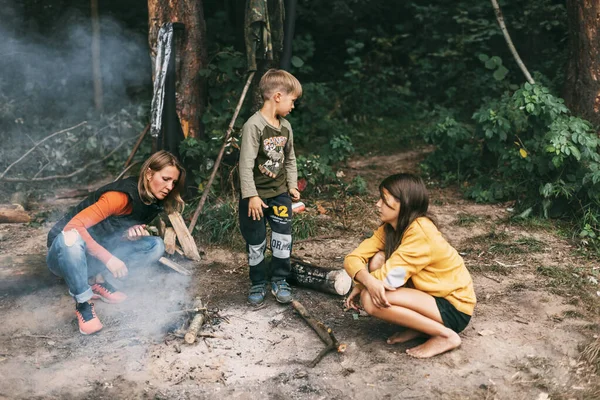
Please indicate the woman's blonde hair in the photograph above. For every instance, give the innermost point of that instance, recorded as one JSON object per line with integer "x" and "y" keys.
{"x": 156, "y": 162}
{"x": 278, "y": 79}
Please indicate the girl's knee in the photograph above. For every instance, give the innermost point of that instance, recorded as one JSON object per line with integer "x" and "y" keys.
{"x": 367, "y": 302}
{"x": 377, "y": 261}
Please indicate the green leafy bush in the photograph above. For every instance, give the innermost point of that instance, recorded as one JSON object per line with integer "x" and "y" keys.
{"x": 525, "y": 146}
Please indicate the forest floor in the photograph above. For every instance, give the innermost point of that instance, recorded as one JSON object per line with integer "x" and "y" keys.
{"x": 538, "y": 306}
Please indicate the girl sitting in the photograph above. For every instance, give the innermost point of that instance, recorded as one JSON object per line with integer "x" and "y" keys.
{"x": 409, "y": 275}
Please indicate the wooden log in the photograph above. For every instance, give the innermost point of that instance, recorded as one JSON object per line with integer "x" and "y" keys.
{"x": 162, "y": 227}
{"x": 183, "y": 235}
{"x": 170, "y": 239}
{"x": 324, "y": 332}
{"x": 174, "y": 266}
{"x": 196, "y": 324}
{"x": 328, "y": 280}
{"x": 13, "y": 214}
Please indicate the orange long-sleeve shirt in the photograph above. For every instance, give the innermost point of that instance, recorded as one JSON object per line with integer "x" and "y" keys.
{"x": 110, "y": 203}
{"x": 425, "y": 256}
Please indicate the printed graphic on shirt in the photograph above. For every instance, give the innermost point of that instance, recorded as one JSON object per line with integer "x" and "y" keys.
{"x": 273, "y": 148}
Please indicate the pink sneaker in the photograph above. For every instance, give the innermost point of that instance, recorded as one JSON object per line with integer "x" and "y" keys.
{"x": 107, "y": 293}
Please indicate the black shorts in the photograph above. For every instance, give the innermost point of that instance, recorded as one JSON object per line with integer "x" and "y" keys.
{"x": 453, "y": 319}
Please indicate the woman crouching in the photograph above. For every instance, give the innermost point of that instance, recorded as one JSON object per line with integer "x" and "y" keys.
{"x": 409, "y": 275}
{"x": 106, "y": 234}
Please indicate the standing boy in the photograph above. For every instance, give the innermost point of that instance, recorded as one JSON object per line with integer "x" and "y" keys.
{"x": 268, "y": 178}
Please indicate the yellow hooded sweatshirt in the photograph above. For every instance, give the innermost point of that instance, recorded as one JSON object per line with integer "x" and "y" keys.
{"x": 423, "y": 256}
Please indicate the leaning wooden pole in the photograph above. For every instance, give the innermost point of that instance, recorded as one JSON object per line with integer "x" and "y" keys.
{"x": 511, "y": 46}
{"x": 220, "y": 156}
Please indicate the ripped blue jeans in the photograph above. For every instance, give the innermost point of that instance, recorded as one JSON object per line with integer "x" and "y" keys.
{"x": 73, "y": 264}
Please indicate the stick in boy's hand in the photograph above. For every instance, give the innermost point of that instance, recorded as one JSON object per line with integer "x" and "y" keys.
{"x": 255, "y": 206}
{"x": 294, "y": 194}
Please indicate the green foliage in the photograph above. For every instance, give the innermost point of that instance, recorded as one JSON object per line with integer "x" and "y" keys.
{"x": 219, "y": 224}
{"x": 304, "y": 225}
{"x": 315, "y": 171}
{"x": 525, "y": 146}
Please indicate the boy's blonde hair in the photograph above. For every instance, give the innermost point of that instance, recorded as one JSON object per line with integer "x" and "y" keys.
{"x": 278, "y": 79}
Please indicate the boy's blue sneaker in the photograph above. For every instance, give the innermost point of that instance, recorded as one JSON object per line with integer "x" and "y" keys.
{"x": 257, "y": 294}
{"x": 282, "y": 291}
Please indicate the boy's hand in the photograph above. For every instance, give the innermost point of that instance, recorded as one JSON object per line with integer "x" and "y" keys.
{"x": 295, "y": 194}
{"x": 255, "y": 206}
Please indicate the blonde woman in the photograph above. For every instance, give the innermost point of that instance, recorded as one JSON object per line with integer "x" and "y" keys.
{"x": 106, "y": 234}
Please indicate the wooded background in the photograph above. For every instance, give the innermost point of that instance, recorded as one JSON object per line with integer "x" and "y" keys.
{"x": 378, "y": 76}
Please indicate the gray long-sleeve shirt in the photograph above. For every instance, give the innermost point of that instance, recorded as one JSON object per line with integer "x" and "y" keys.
{"x": 267, "y": 159}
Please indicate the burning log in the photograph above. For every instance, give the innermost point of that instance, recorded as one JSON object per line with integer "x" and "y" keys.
{"x": 324, "y": 332}
{"x": 13, "y": 213}
{"x": 174, "y": 266}
{"x": 328, "y": 280}
{"x": 196, "y": 324}
{"x": 185, "y": 238}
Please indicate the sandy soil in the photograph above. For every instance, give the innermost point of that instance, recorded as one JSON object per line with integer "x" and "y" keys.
{"x": 538, "y": 305}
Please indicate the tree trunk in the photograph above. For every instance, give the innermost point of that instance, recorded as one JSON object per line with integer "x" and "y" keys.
{"x": 582, "y": 86}
{"x": 191, "y": 57}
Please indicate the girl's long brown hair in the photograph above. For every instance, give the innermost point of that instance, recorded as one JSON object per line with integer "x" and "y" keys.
{"x": 412, "y": 194}
{"x": 156, "y": 162}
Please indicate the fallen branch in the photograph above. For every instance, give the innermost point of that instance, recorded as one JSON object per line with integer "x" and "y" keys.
{"x": 14, "y": 214}
{"x": 37, "y": 144}
{"x": 220, "y": 156}
{"x": 490, "y": 278}
{"x": 324, "y": 332}
{"x": 511, "y": 46}
{"x": 136, "y": 146}
{"x": 72, "y": 174}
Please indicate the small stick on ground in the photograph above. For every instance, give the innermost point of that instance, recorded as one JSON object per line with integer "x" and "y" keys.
{"x": 324, "y": 332}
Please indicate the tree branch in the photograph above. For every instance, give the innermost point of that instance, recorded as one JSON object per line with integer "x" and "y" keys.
{"x": 37, "y": 144}
{"x": 220, "y": 156}
{"x": 511, "y": 46}
{"x": 72, "y": 174}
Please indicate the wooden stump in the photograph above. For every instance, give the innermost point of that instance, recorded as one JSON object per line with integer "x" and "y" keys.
{"x": 328, "y": 280}
{"x": 13, "y": 213}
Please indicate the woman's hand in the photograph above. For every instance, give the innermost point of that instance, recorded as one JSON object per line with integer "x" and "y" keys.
{"x": 117, "y": 267}
{"x": 136, "y": 232}
{"x": 349, "y": 303}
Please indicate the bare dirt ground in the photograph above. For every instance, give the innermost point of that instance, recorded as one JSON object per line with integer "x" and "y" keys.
{"x": 538, "y": 305}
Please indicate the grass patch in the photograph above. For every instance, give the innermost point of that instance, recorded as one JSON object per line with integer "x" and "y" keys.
{"x": 573, "y": 314}
{"x": 463, "y": 219}
{"x": 518, "y": 287}
{"x": 500, "y": 244}
{"x": 304, "y": 225}
{"x": 496, "y": 268}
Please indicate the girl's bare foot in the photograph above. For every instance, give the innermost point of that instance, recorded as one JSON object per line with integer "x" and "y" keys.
{"x": 436, "y": 345}
{"x": 404, "y": 336}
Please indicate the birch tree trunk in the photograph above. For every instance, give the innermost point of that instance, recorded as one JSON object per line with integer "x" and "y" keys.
{"x": 191, "y": 57}
{"x": 582, "y": 86}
